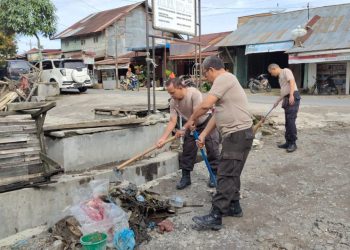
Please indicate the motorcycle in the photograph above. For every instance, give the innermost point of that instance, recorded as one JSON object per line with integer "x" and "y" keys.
{"x": 259, "y": 83}
{"x": 325, "y": 87}
{"x": 129, "y": 84}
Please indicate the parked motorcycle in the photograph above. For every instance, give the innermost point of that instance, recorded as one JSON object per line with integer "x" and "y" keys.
{"x": 325, "y": 87}
{"x": 259, "y": 83}
{"x": 129, "y": 84}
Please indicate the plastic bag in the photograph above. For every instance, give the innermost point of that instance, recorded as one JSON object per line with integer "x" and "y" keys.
{"x": 124, "y": 239}
{"x": 95, "y": 215}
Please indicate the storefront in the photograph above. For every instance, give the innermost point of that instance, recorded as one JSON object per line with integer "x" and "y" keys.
{"x": 325, "y": 67}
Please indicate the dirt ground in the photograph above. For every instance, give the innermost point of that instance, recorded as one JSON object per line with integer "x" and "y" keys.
{"x": 290, "y": 201}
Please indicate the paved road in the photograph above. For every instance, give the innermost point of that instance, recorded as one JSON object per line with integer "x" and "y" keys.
{"x": 72, "y": 106}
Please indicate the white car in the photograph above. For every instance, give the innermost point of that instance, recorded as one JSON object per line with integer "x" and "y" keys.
{"x": 68, "y": 73}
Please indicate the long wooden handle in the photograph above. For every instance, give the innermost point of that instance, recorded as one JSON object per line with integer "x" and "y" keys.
{"x": 258, "y": 125}
{"x": 120, "y": 167}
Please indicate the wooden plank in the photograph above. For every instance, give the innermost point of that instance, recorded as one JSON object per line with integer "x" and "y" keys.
{"x": 95, "y": 124}
{"x": 12, "y": 155}
{"x": 26, "y": 106}
{"x": 8, "y": 180}
{"x": 17, "y": 128}
{"x": 19, "y": 151}
{"x": 9, "y": 146}
{"x": 30, "y": 167}
{"x": 13, "y": 139}
{"x": 18, "y": 159}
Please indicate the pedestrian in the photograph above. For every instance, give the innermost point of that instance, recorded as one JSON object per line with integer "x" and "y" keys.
{"x": 182, "y": 103}
{"x": 234, "y": 122}
{"x": 290, "y": 98}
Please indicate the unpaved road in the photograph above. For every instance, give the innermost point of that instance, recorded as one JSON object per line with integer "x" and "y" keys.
{"x": 290, "y": 201}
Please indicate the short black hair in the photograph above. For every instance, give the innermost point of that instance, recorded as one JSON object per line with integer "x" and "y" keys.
{"x": 176, "y": 82}
{"x": 213, "y": 62}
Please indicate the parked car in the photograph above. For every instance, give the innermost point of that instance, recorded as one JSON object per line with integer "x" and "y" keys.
{"x": 13, "y": 69}
{"x": 68, "y": 73}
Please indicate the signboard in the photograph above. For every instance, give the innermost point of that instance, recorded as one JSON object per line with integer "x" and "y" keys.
{"x": 293, "y": 59}
{"x": 268, "y": 47}
{"x": 175, "y": 16}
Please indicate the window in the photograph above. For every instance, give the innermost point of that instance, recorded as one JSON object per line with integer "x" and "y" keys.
{"x": 47, "y": 65}
{"x": 96, "y": 39}
{"x": 57, "y": 64}
{"x": 66, "y": 43}
{"x": 82, "y": 41}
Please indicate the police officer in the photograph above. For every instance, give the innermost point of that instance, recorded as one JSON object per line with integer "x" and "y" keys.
{"x": 234, "y": 122}
{"x": 290, "y": 98}
{"x": 183, "y": 101}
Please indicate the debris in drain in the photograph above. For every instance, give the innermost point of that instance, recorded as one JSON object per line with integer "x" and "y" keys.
{"x": 68, "y": 231}
{"x": 145, "y": 214}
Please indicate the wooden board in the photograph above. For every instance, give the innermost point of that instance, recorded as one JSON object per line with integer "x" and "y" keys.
{"x": 95, "y": 124}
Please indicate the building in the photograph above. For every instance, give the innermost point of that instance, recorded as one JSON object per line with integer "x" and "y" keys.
{"x": 96, "y": 37}
{"x": 34, "y": 56}
{"x": 267, "y": 38}
{"x": 183, "y": 55}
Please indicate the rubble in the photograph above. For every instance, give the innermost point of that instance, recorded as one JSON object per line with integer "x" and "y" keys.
{"x": 143, "y": 213}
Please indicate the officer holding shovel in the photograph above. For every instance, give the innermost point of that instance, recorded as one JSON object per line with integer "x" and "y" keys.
{"x": 290, "y": 98}
{"x": 234, "y": 122}
{"x": 183, "y": 102}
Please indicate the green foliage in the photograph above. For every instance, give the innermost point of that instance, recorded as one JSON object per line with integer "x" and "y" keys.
{"x": 7, "y": 47}
{"x": 28, "y": 17}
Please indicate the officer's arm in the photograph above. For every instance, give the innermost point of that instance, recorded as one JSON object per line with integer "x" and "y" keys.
{"x": 202, "y": 109}
{"x": 170, "y": 127}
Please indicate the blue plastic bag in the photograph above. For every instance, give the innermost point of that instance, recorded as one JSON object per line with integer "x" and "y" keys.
{"x": 124, "y": 239}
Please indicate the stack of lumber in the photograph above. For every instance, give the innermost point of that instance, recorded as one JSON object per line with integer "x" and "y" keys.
{"x": 6, "y": 99}
{"x": 20, "y": 159}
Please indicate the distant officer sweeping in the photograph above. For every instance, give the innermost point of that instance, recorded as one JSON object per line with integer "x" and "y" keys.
{"x": 234, "y": 122}
{"x": 183, "y": 102}
{"x": 290, "y": 98}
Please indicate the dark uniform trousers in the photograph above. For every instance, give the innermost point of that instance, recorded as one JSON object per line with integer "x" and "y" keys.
{"x": 291, "y": 112}
{"x": 235, "y": 150}
{"x": 190, "y": 149}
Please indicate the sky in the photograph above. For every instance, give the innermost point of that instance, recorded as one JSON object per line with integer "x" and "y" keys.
{"x": 217, "y": 15}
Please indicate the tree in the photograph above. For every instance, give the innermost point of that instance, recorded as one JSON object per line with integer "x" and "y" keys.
{"x": 28, "y": 17}
{"x": 8, "y": 46}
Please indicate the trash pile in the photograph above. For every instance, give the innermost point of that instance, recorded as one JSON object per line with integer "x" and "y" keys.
{"x": 147, "y": 210}
{"x": 119, "y": 217}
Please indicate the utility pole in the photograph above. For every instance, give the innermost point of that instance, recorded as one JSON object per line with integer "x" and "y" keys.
{"x": 308, "y": 11}
{"x": 148, "y": 62}
{"x": 116, "y": 55}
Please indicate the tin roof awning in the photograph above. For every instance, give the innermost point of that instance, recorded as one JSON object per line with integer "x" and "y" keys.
{"x": 268, "y": 47}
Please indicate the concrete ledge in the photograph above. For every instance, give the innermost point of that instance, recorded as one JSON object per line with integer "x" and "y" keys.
{"x": 83, "y": 152}
{"x": 33, "y": 207}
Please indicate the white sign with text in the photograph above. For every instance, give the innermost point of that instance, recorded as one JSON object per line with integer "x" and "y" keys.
{"x": 175, "y": 16}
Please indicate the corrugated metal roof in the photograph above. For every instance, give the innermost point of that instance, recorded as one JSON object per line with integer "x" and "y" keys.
{"x": 180, "y": 50}
{"x": 330, "y": 32}
{"x": 96, "y": 22}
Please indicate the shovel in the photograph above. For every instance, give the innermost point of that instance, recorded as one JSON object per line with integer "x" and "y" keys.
{"x": 135, "y": 158}
{"x": 261, "y": 122}
{"x": 205, "y": 158}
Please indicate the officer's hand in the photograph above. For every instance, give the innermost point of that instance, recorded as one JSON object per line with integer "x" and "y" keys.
{"x": 291, "y": 100}
{"x": 180, "y": 133}
{"x": 201, "y": 141}
{"x": 192, "y": 127}
{"x": 189, "y": 124}
{"x": 160, "y": 143}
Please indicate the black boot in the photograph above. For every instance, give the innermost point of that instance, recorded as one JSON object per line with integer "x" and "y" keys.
{"x": 284, "y": 146}
{"x": 235, "y": 209}
{"x": 185, "y": 180}
{"x": 291, "y": 148}
{"x": 211, "y": 221}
